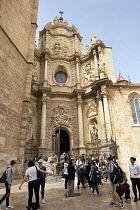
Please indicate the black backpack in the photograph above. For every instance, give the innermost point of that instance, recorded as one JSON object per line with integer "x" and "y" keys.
{"x": 97, "y": 173}
{"x": 39, "y": 176}
{"x": 3, "y": 177}
{"x": 115, "y": 175}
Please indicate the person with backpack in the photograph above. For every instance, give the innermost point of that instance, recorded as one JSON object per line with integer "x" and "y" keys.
{"x": 33, "y": 184}
{"x": 41, "y": 178}
{"x": 7, "y": 179}
{"x": 94, "y": 178}
{"x": 66, "y": 163}
{"x": 134, "y": 169}
{"x": 114, "y": 180}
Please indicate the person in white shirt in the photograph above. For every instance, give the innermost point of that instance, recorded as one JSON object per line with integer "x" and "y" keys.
{"x": 80, "y": 164}
{"x": 33, "y": 183}
{"x": 134, "y": 169}
{"x": 66, "y": 175}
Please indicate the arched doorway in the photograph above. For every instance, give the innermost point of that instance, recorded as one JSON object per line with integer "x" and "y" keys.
{"x": 61, "y": 142}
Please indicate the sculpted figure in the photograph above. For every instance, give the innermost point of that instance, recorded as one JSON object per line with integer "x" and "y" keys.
{"x": 55, "y": 21}
{"x": 87, "y": 48}
{"x": 93, "y": 39}
{"x": 66, "y": 22}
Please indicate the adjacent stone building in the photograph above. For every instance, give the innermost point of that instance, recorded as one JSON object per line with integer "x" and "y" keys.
{"x": 56, "y": 98}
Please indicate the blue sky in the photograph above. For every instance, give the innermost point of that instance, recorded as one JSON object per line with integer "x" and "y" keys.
{"x": 115, "y": 22}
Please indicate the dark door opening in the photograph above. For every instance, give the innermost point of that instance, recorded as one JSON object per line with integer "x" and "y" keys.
{"x": 63, "y": 142}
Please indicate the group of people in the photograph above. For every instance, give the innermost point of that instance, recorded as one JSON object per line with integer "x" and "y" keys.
{"x": 87, "y": 170}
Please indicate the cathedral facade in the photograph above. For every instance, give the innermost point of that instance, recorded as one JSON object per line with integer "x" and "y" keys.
{"x": 57, "y": 98}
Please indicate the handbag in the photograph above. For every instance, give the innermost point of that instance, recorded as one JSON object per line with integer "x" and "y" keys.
{"x": 121, "y": 189}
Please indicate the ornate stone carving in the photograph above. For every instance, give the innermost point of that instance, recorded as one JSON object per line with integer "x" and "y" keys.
{"x": 66, "y": 22}
{"x": 61, "y": 117}
{"x": 92, "y": 110}
{"x": 88, "y": 75}
{"x": 87, "y": 48}
{"x": 60, "y": 49}
{"x": 104, "y": 92}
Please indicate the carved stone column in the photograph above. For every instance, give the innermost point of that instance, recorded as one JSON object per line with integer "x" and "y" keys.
{"x": 101, "y": 117}
{"x": 45, "y": 72}
{"x": 106, "y": 112}
{"x": 95, "y": 64}
{"x": 77, "y": 73}
{"x": 43, "y": 122}
{"x": 80, "y": 126}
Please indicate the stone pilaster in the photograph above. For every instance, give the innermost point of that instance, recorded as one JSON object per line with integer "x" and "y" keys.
{"x": 77, "y": 73}
{"x": 106, "y": 112}
{"x": 42, "y": 147}
{"x": 95, "y": 64}
{"x": 101, "y": 117}
{"x": 45, "y": 72}
{"x": 80, "y": 126}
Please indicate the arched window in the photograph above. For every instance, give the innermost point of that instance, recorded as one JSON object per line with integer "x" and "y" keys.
{"x": 135, "y": 108}
{"x": 60, "y": 77}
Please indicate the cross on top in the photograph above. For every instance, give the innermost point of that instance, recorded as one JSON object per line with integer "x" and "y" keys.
{"x": 61, "y": 13}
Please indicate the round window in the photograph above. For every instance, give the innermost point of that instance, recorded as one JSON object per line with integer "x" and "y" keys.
{"x": 60, "y": 77}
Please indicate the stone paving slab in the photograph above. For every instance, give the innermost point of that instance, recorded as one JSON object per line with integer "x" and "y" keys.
{"x": 55, "y": 200}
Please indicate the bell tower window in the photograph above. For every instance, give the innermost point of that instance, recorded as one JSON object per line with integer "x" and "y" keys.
{"x": 134, "y": 103}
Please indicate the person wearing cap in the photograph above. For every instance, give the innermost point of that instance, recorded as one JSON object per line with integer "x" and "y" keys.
{"x": 42, "y": 178}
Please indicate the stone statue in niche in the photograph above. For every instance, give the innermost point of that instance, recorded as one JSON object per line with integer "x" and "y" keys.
{"x": 56, "y": 20}
{"x": 88, "y": 75}
{"x": 92, "y": 110}
{"x": 93, "y": 132}
{"x": 30, "y": 123}
{"x": 57, "y": 49}
{"x": 34, "y": 76}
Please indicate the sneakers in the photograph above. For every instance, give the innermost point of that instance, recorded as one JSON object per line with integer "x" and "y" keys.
{"x": 112, "y": 204}
{"x": 92, "y": 194}
{"x": 39, "y": 208}
{"x": 135, "y": 199}
{"x": 9, "y": 207}
{"x": 98, "y": 194}
{"x": 43, "y": 201}
{"x": 121, "y": 205}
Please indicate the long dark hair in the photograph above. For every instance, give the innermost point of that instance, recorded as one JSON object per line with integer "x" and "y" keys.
{"x": 121, "y": 171}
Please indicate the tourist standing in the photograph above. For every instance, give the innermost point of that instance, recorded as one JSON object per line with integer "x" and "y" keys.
{"x": 71, "y": 177}
{"x": 53, "y": 162}
{"x": 134, "y": 169}
{"x": 33, "y": 183}
{"x": 113, "y": 186}
{"x": 94, "y": 179}
{"x": 42, "y": 179}
{"x": 8, "y": 183}
{"x": 66, "y": 175}
{"x": 62, "y": 160}
{"x": 80, "y": 164}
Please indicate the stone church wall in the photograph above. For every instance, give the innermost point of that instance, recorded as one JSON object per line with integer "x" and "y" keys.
{"x": 18, "y": 21}
{"x": 127, "y": 133}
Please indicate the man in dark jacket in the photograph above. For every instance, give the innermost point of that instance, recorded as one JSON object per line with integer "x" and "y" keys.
{"x": 71, "y": 177}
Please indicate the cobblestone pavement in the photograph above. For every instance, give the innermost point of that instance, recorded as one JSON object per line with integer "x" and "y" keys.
{"x": 55, "y": 200}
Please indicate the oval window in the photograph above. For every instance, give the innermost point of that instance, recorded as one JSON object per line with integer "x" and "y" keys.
{"x": 60, "y": 77}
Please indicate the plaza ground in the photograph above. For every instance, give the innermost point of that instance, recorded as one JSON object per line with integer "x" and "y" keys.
{"x": 55, "y": 199}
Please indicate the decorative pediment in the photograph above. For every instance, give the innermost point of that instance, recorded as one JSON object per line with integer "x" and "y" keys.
{"x": 61, "y": 116}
